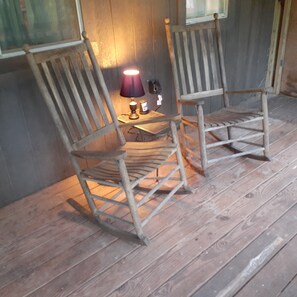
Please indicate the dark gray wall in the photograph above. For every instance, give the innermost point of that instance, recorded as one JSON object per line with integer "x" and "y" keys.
{"x": 246, "y": 37}
{"x": 124, "y": 33}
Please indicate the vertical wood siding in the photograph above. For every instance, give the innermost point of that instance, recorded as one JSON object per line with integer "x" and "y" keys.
{"x": 289, "y": 76}
{"x": 124, "y": 33}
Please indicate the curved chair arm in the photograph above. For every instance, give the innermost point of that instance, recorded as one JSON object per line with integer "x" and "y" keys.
{"x": 113, "y": 155}
{"x": 245, "y": 91}
{"x": 166, "y": 118}
{"x": 192, "y": 102}
{"x": 263, "y": 96}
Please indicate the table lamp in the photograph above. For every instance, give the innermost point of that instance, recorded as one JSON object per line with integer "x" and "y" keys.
{"x": 132, "y": 88}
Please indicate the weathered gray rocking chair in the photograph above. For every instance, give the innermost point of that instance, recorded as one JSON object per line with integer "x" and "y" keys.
{"x": 74, "y": 90}
{"x": 197, "y": 60}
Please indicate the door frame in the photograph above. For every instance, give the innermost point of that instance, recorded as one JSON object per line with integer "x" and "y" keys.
{"x": 278, "y": 45}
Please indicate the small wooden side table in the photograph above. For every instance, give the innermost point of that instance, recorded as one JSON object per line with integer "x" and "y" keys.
{"x": 153, "y": 130}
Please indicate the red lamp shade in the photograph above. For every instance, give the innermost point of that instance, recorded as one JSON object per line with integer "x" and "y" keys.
{"x": 131, "y": 84}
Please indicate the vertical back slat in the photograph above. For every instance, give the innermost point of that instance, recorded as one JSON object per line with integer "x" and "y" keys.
{"x": 188, "y": 62}
{"x": 213, "y": 59}
{"x": 221, "y": 60}
{"x": 196, "y": 61}
{"x": 205, "y": 60}
{"x": 84, "y": 90}
{"x": 67, "y": 98}
{"x": 180, "y": 63}
{"x": 75, "y": 92}
{"x": 103, "y": 86}
{"x": 59, "y": 101}
{"x": 94, "y": 88}
{"x": 76, "y": 95}
{"x": 172, "y": 55}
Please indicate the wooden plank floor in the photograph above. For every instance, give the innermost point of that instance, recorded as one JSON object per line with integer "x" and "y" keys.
{"x": 236, "y": 236}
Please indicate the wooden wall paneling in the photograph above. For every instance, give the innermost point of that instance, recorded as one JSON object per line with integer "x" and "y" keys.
{"x": 124, "y": 37}
{"x": 6, "y": 187}
{"x": 288, "y": 84}
{"x": 163, "y": 72}
{"x": 144, "y": 46}
{"x": 98, "y": 20}
{"x": 50, "y": 157}
{"x": 259, "y": 43}
{"x": 273, "y": 44}
{"x": 240, "y": 45}
{"x": 124, "y": 34}
{"x": 246, "y": 41}
{"x": 179, "y": 13}
{"x": 282, "y": 46}
{"x": 7, "y": 190}
{"x": 14, "y": 140}
{"x": 266, "y": 32}
{"x": 254, "y": 41}
{"x": 174, "y": 11}
{"x": 99, "y": 26}
{"x": 216, "y": 103}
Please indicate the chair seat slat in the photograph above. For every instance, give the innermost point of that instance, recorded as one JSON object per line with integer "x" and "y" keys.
{"x": 137, "y": 167}
{"x": 78, "y": 99}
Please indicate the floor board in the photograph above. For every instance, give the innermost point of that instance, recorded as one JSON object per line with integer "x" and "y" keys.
{"x": 201, "y": 244}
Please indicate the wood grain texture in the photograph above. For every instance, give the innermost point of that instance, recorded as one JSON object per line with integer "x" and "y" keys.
{"x": 209, "y": 56}
{"x": 199, "y": 241}
{"x": 110, "y": 25}
{"x": 280, "y": 269}
{"x": 290, "y": 289}
{"x": 288, "y": 84}
{"x": 284, "y": 229}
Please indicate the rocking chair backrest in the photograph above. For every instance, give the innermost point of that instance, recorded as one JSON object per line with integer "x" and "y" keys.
{"x": 197, "y": 59}
{"x": 75, "y": 92}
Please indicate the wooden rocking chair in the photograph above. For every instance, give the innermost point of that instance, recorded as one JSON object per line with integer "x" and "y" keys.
{"x": 197, "y": 59}
{"x": 74, "y": 90}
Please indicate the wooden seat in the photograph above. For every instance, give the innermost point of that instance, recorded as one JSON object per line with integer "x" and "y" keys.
{"x": 139, "y": 162}
{"x": 197, "y": 59}
{"x": 74, "y": 90}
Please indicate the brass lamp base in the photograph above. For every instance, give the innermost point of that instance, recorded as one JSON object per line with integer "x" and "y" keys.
{"x": 133, "y": 116}
{"x": 133, "y": 106}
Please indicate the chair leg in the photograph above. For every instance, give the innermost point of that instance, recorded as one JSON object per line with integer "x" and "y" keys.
{"x": 201, "y": 135}
{"x": 83, "y": 184}
{"x": 229, "y": 135}
{"x": 131, "y": 201}
{"x": 182, "y": 140}
{"x": 179, "y": 157}
{"x": 265, "y": 126}
{"x": 266, "y": 141}
{"x": 139, "y": 238}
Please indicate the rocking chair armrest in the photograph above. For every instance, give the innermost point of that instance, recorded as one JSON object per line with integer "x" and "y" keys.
{"x": 98, "y": 155}
{"x": 166, "y": 118}
{"x": 192, "y": 101}
{"x": 245, "y": 91}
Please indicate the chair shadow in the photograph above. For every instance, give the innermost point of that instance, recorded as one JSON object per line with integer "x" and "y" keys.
{"x": 82, "y": 212}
